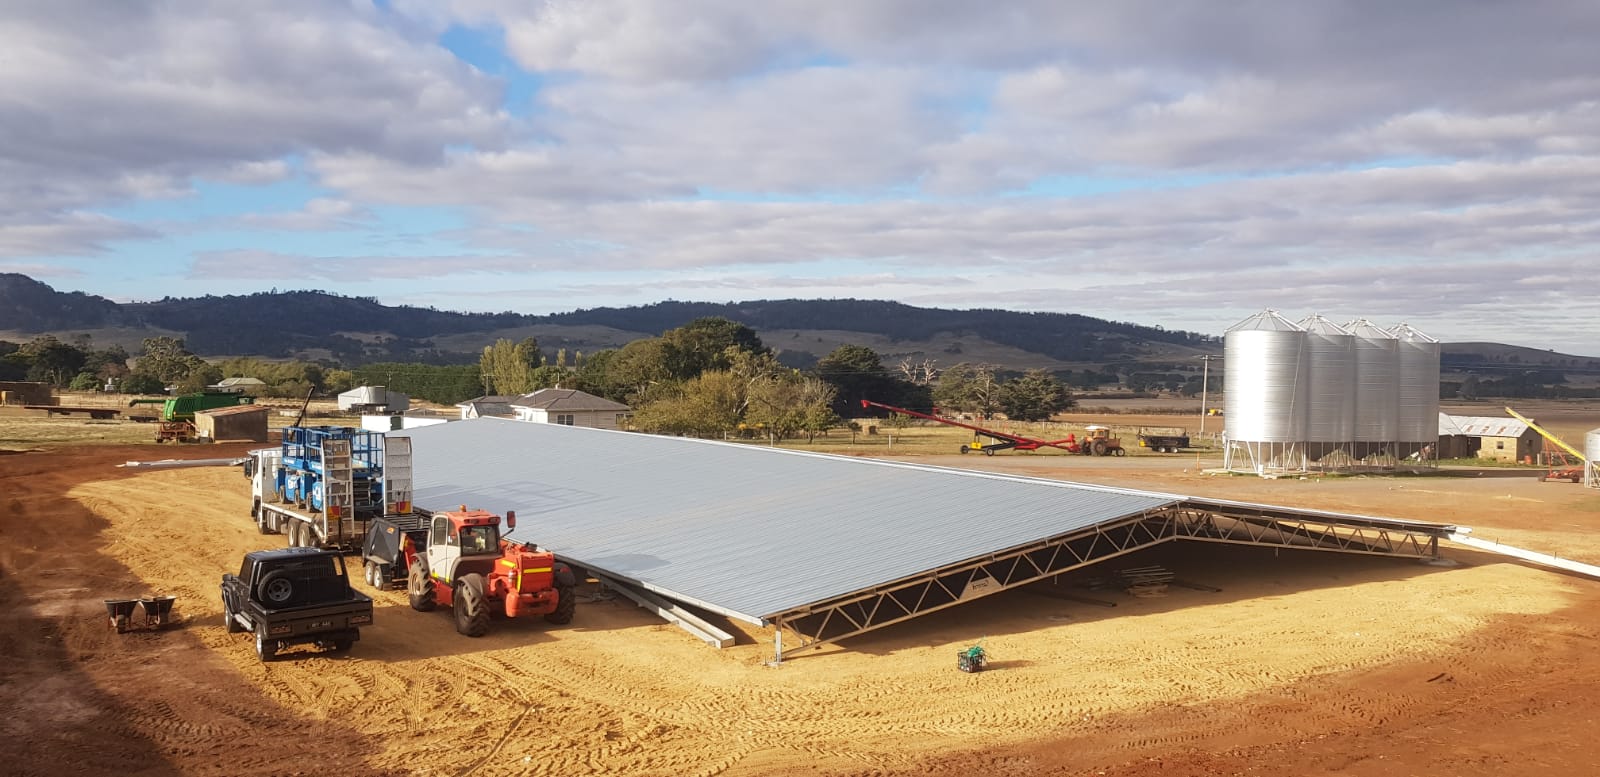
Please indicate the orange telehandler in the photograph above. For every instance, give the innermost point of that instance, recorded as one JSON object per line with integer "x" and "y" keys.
{"x": 470, "y": 568}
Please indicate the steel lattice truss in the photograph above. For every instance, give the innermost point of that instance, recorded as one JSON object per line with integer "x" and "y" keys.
{"x": 829, "y": 621}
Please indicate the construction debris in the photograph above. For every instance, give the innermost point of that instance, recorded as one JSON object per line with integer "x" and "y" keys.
{"x": 1146, "y": 581}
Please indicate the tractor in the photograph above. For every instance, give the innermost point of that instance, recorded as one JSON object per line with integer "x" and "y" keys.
{"x": 470, "y": 568}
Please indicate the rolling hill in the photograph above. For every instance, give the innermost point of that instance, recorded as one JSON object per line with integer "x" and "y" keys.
{"x": 357, "y": 330}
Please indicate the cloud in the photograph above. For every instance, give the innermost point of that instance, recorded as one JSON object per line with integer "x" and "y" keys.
{"x": 250, "y": 264}
{"x": 1142, "y": 159}
{"x": 76, "y": 234}
{"x": 320, "y": 214}
{"x": 109, "y": 102}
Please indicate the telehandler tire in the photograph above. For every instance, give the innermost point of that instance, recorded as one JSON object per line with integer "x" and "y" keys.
{"x": 471, "y": 608}
{"x": 419, "y": 589}
{"x": 566, "y": 605}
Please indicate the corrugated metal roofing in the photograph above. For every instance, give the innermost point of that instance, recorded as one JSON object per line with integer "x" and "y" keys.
{"x": 1482, "y": 426}
{"x": 744, "y": 530}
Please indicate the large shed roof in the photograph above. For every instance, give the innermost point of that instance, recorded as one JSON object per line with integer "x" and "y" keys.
{"x": 743, "y": 530}
{"x": 1480, "y": 426}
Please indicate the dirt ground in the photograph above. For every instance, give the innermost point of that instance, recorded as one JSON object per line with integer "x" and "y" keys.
{"x": 1302, "y": 664}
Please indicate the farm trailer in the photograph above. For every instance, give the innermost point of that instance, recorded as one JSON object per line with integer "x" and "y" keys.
{"x": 324, "y": 485}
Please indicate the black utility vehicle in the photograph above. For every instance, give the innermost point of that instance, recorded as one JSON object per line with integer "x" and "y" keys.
{"x": 294, "y": 596}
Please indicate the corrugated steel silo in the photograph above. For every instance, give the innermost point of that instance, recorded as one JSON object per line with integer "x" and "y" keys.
{"x": 1265, "y": 386}
{"x": 1377, "y": 384}
{"x": 1418, "y": 382}
{"x": 1331, "y": 409}
{"x": 1591, "y": 449}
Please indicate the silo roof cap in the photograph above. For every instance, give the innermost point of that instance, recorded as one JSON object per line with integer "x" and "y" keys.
{"x": 1411, "y": 334}
{"x": 1316, "y": 323}
{"x": 1266, "y": 321}
{"x": 1364, "y": 328}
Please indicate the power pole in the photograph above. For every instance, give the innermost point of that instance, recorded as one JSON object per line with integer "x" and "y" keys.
{"x": 1205, "y": 380}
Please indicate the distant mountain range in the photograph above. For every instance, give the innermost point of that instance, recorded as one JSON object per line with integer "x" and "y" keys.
{"x": 358, "y": 330}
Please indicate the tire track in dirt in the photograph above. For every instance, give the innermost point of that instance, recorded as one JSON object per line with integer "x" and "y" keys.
{"x": 618, "y": 694}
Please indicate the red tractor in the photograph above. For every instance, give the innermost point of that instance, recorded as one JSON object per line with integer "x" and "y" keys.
{"x": 467, "y": 566}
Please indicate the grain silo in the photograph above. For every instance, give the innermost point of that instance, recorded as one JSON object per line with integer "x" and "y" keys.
{"x": 1331, "y": 407}
{"x": 1418, "y": 388}
{"x": 1266, "y": 389}
{"x": 1377, "y": 403}
{"x": 1591, "y": 450}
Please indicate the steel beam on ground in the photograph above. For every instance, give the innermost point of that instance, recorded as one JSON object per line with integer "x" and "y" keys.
{"x": 1542, "y": 559}
{"x": 673, "y": 614}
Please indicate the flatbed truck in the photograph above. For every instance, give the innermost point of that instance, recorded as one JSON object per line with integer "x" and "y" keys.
{"x": 326, "y": 494}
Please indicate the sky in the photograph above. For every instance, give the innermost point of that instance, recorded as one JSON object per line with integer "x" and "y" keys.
{"x": 1170, "y": 163}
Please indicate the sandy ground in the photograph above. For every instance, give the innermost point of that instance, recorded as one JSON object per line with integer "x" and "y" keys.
{"x": 1303, "y": 664}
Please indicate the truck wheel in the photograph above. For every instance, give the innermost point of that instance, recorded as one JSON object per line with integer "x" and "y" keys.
{"x": 381, "y": 575}
{"x": 276, "y": 589}
{"x": 472, "y": 612}
{"x": 229, "y": 621}
{"x": 265, "y": 649}
{"x": 343, "y": 644}
{"x": 419, "y": 588}
{"x": 566, "y": 605}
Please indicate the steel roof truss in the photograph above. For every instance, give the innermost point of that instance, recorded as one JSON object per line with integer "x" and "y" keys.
{"x": 862, "y": 611}
{"x": 826, "y": 622}
{"x": 1327, "y": 533}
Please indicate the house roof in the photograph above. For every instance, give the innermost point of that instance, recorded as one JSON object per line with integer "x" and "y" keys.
{"x": 1480, "y": 426}
{"x": 225, "y": 382}
{"x": 569, "y": 400}
{"x": 487, "y": 399}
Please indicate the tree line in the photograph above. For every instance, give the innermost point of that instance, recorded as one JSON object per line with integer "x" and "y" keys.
{"x": 712, "y": 376}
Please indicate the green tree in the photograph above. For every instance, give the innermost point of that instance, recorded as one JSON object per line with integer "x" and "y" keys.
{"x": 856, "y": 373}
{"x": 508, "y": 367}
{"x": 444, "y": 384}
{"x": 784, "y": 405}
{"x": 141, "y": 383}
{"x": 593, "y": 376}
{"x": 551, "y": 376}
{"x": 706, "y": 344}
{"x": 639, "y": 372}
{"x": 703, "y": 406}
{"x": 12, "y": 366}
{"x": 165, "y": 358}
{"x": 85, "y": 381}
{"x": 1035, "y": 396}
{"x": 51, "y": 361}
{"x": 968, "y": 388}
{"x": 200, "y": 375}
